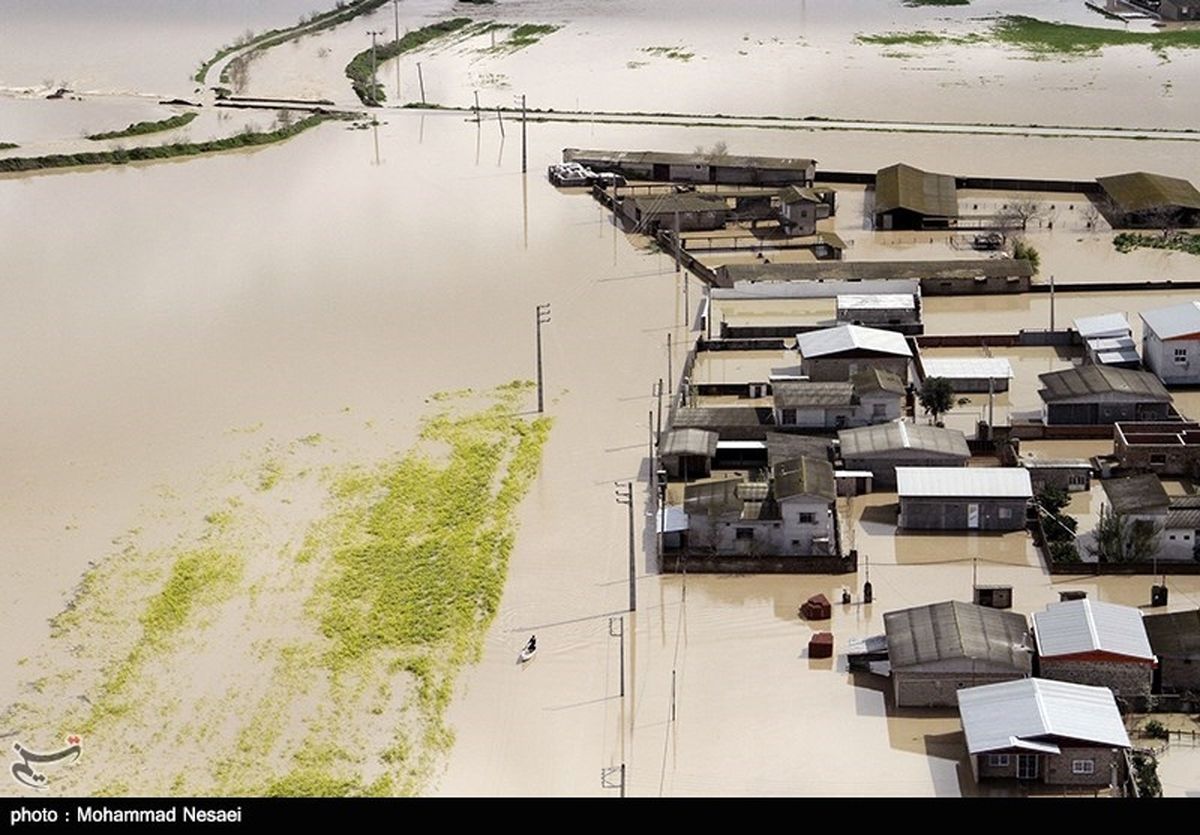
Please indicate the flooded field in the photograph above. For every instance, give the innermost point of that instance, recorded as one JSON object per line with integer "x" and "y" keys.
{"x": 203, "y": 350}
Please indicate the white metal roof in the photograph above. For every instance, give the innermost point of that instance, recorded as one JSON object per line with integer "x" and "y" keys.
{"x": 1111, "y": 343}
{"x": 1176, "y": 320}
{"x": 963, "y": 482}
{"x": 741, "y": 445}
{"x": 1121, "y": 357}
{"x": 677, "y": 520}
{"x": 968, "y": 368}
{"x": 851, "y": 338}
{"x": 1022, "y": 713}
{"x": 1076, "y": 626}
{"x": 852, "y": 474}
{"x": 876, "y": 301}
{"x": 1106, "y": 324}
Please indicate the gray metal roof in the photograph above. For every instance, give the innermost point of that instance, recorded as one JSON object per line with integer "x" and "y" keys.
{"x": 1140, "y": 191}
{"x": 1106, "y": 324}
{"x": 884, "y": 439}
{"x": 1174, "y": 321}
{"x": 968, "y": 368}
{"x": 1136, "y": 494}
{"x": 902, "y": 186}
{"x": 801, "y": 394}
{"x": 666, "y": 204}
{"x": 690, "y": 441}
{"x": 1182, "y": 518}
{"x": 844, "y": 338}
{"x": 796, "y": 194}
{"x": 956, "y": 630}
{"x": 784, "y": 446}
{"x": 714, "y": 498}
{"x": 1034, "y": 713}
{"x": 964, "y": 482}
{"x": 1056, "y": 463}
{"x": 1087, "y": 381}
{"x": 1176, "y": 635}
{"x": 672, "y": 520}
{"x": 718, "y": 417}
{"x": 873, "y": 380}
{"x": 804, "y": 477}
{"x": 1080, "y": 626}
{"x": 602, "y": 158}
{"x": 968, "y": 269}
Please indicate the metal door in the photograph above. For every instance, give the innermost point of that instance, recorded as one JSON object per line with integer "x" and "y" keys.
{"x": 973, "y": 517}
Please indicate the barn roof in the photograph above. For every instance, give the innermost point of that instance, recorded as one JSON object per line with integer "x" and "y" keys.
{"x": 1140, "y": 191}
{"x": 1086, "y": 380}
{"x": 901, "y": 186}
{"x": 956, "y": 630}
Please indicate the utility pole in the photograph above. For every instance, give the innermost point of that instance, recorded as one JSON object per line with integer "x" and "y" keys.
{"x": 670, "y": 368}
{"x": 396, "y": 11}
{"x": 374, "y": 83}
{"x": 621, "y": 634}
{"x": 500, "y": 120}
{"x": 421, "y": 81}
{"x": 477, "y": 107}
{"x": 543, "y": 317}
{"x": 524, "y": 146}
{"x": 658, "y": 392}
{"x": 1051, "y": 302}
{"x": 677, "y": 268}
{"x": 624, "y": 493}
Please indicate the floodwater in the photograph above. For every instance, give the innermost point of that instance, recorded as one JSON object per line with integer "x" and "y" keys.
{"x": 331, "y": 284}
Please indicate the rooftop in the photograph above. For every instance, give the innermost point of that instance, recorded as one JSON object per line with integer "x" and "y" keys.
{"x": 784, "y": 446}
{"x": 796, "y": 194}
{"x": 688, "y": 441}
{"x": 1086, "y": 380}
{"x": 1141, "y": 191}
{"x": 804, "y": 477}
{"x": 1106, "y": 324}
{"x": 1056, "y": 463}
{"x": 876, "y": 301}
{"x": 901, "y": 186}
{"x": 961, "y": 482}
{"x": 954, "y": 630}
{"x": 718, "y": 417}
{"x": 1176, "y": 635}
{"x": 670, "y": 203}
{"x": 884, "y": 438}
{"x": 1174, "y": 321}
{"x": 968, "y": 368}
{"x": 675, "y": 158}
{"x": 802, "y": 394}
{"x": 844, "y": 338}
{"x": 969, "y": 269}
{"x": 1136, "y": 494}
{"x": 874, "y": 380}
{"x": 1034, "y": 714}
{"x": 1083, "y": 626}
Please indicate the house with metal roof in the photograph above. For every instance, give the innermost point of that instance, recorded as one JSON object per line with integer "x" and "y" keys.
{"x": 873, "y": 396}
{"x": 963, "y": 498}
{"x": 1171, "y": 343}
{"x": 1140, "y": 200}
{"x": 1043, "y": 731}
{"x": 692, "y": 212}
{"x": 697, "y": 167}
{"x": 1100, "y": 394}
{"x": 836, "y": 354}
{"x": 1175, "y": 640}
{"x": 970, "y": 374}
{"x": 882, "y": 448}
{"x": 936, "y": 650}
{"x": 1091, "y": 642}
{"x": 909, "y": 198}
{"x": 688, "y": 453}
{"x": 800, "y": 208}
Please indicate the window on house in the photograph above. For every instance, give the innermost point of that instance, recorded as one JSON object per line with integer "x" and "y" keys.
{"x": 1006, "y": 513}
{"x": 808, "y": 519}
{"x": 878, "y": 410}
{"x": 998, "y": 760}
{"x": 1083, "y": 766}
{"x": 788, "y": 416}
{"x": 744, "y": 533}
{"x": 795, "y": 543}
{"x": 1159, "y": 458}
{"x": 1172, "y": 537}
{"x": 1181, "y": 356}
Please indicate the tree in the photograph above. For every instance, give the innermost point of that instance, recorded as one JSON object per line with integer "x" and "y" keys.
{"x": 1022, "y": 210}
{"x": 1024, "y": 250}
{"x": 1121, "y": 539}
{"x": 937, "y": 397}
{"x": 1092, "y": 215}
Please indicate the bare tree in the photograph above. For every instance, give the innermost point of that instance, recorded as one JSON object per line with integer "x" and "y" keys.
{"x": 1091, "y": 215}
{"x": 1022, "y": 210}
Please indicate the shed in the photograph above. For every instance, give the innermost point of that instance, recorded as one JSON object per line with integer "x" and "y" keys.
{"x": 881, "y": 449}
{"x": 909, "y": 198}
{"x": 963, "y": 498}
{"x": 1143, "y": 200}
{"x": 1175, "y": 639}
{"x": 938, "y": 649}
{"x": 1044, "y": 731}
{"x": 688, "y": 453}
{"x": 1090, "y": 642}
{"x": 1070, "y": 474}
{"x": 1117, "y": 351}
{"x": 1100, "y": 394}
{"x": 970, "y": 374}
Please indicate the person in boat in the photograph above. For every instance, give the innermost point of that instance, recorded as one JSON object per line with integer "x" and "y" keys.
{"x": 532, "y": 645}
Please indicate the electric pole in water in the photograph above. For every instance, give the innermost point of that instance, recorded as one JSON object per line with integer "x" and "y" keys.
{"x": 624, "y": 494}
{"x": 374, "y": 83}
{"x": 396, "y": 10}
{"x": 543, "y": 317}
{"x": 524, "y": 151}
{"x": 421, "y": 81}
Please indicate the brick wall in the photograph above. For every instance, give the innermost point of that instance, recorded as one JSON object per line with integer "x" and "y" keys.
{"x": 1057, "y": 770}
{"x": 939, "y": 689}
{"x": 1121, "y": 677}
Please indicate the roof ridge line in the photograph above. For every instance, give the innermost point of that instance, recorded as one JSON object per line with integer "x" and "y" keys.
{"x": 1091, "y": 623}
{"x": 1037, "y": 700}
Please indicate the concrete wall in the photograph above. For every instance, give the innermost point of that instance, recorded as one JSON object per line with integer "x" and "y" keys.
{"x": 802, "y": 217}
{"x": 798, "y": 536}
{"x": 841, "y": 369}
{"x": 1159, "y": 356}
{"x": 1103, "y": 412}
{"x": 884, "y": 470}
{"x": 1122, "y": 677}
{"x": 992, "y": 285}
{"x": 1180, "y": 674}
{"x": 913, "y": 689}
{"x": 939, "y": 514}
{"x": 849, "y": 417}
{"x": 877, "y": 317}
{"x": 1057, "y": 769}
{"x": 769, "y": 537}
{"x": 1071, "y": 480}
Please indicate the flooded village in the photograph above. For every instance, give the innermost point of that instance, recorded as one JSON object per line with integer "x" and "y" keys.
{"x": 841, "y": 363}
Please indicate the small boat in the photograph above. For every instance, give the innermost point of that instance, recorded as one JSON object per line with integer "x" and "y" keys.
{"x": 528, "y": 651}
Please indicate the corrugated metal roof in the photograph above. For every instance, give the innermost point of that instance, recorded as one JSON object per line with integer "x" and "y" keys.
{"x": 843, "y": 338}
{"x": 1087, "y": 380}
{"x": 796, "y": 194}
{"x": 1176, "y": 635}
{"x": 671, "y": 203}
{"x": 873, "y": 380}
{"x": 1056, "y": 463}
{"x": 968, "y": 269}
{"x": 1123, "y": 356}
{"x": 902, "y": 186}
{"x": 718, "y": 417}
{"x": 1174, "y": 321}
{"x": 783, "y": 446}
{"x": 886, "y": 438}
{"x": 1136, "y": 494}
{"x": 1106, "y": 324}
{"x": 799, "y": 394}
{"x": 876, "y": 301}
{"x": 957, "y": 630}
{"x": 713, "y": 497}
{"x": 968, "y": 368}
{"x": 804, "y": 477}
{"x": 1140, "y": 191}
{"x": 996, "y": 717}
{"x": 1078, "y": 626}
{"x": 601, "y": 158}
{"x": 1183, "y": 518}
{"x": 689, "y": 441}
{"x": 964, "y": 482}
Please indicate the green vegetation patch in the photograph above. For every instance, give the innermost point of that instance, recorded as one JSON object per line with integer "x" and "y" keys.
{"x": 912, "y": 3}
{"x": 921, "y": 37}
{"x": 675, "y": 53}
{"x": 120, "y": 156}
{"x": 370, "y": 92}
{"x": 1043, "y": 37}
{"x": 140, "y": 128}
{"x": 1179, "y": 242}
{"x": 7, "y": 146}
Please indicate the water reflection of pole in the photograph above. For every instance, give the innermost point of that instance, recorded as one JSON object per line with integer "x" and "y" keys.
{"x": 543, "y": 317}
{"x": 670, "y": 369}
{"x": 1051, "y": 302}
{"x": 375, "y": 136}
{"x": 624, "y": 495}
{"x": 525, "y": 208}
{"x": 421, "y": 130}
